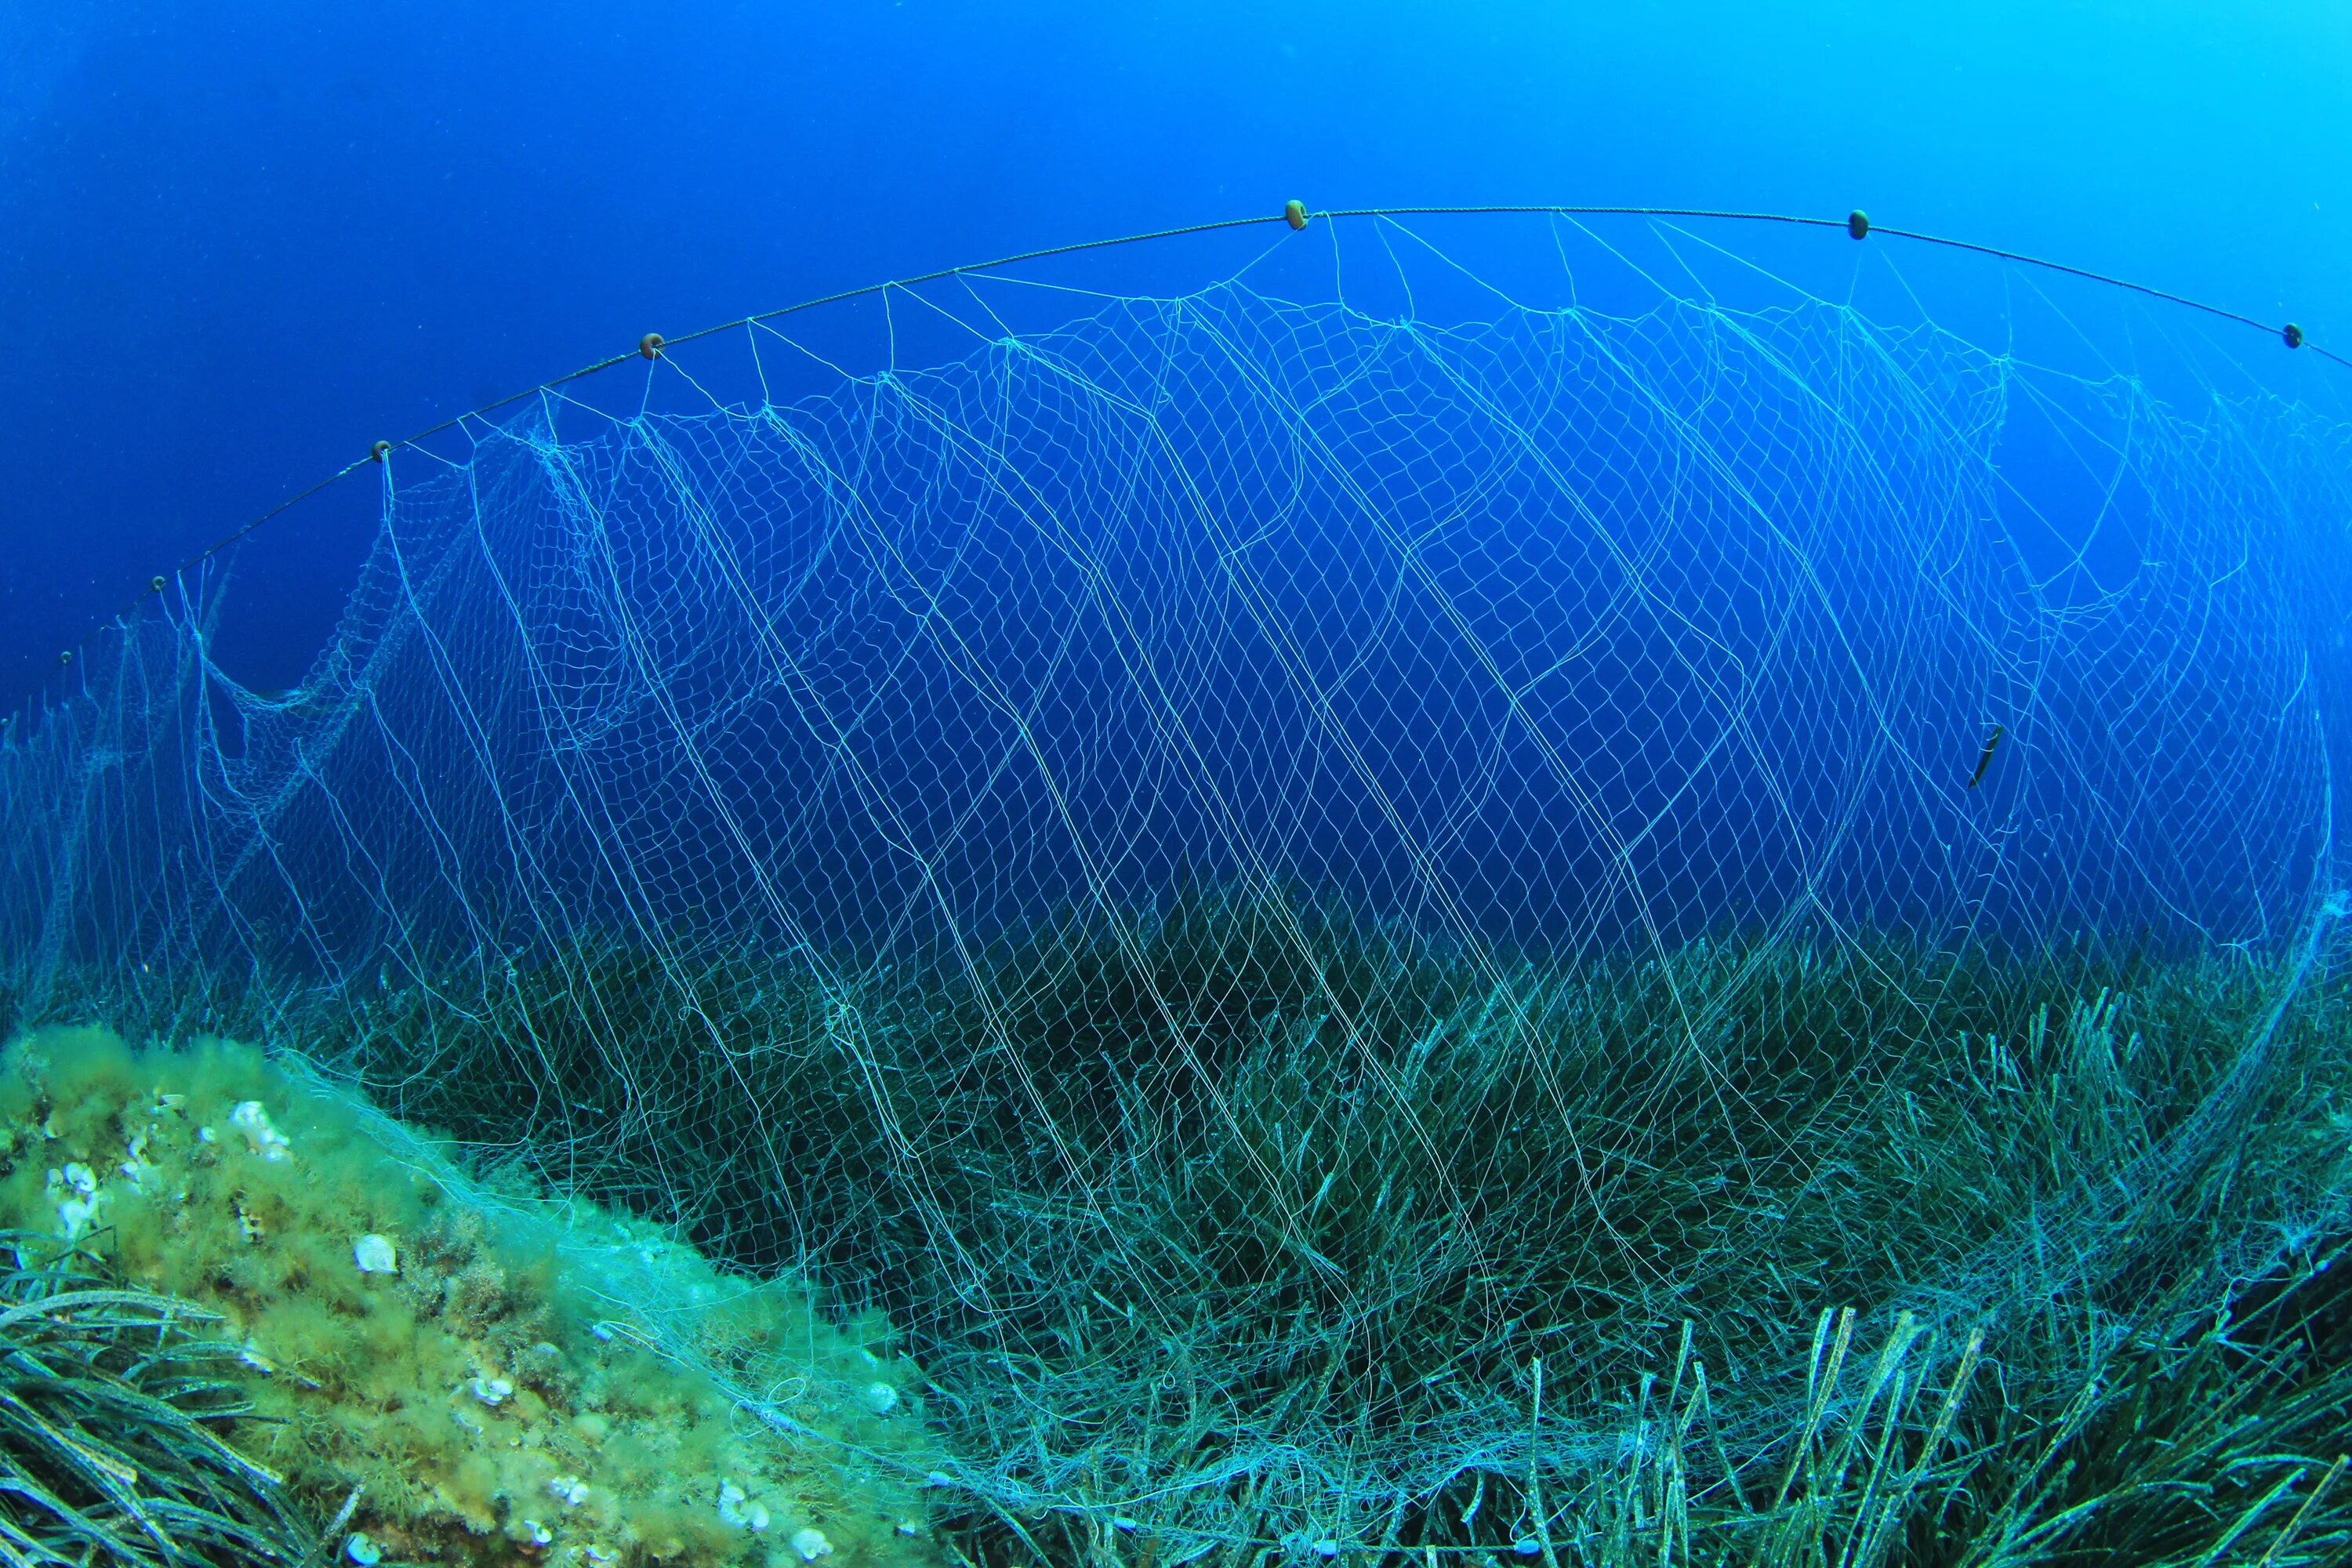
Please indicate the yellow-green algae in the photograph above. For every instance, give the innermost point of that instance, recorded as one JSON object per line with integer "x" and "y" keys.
{"x": 505, "y": 1380}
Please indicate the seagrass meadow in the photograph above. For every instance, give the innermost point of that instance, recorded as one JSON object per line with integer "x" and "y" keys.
{"x": 1454, "y": 1239}
{"x": 1592, "y": 911}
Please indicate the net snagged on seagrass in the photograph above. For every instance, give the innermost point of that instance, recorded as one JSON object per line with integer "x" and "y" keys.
{"x": 1244, "y": 866}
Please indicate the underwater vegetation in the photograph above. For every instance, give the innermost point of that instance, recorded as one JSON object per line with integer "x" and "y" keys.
{"x": 1242, "y": 1232}
{"x": 324, "y": 1321}
{"x": 1236, "y": 1231}
{"x": 114, "y": 1405}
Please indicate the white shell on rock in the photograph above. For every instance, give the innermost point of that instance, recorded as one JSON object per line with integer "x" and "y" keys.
{"x": 735, "y": 1510}
{"x": 252, "y": 1118}
{"x": 811, "y": 1544}
{"x": 373, "y": 1254}
{"x": 881, "y": 1398}
{"x": 360, "y": 1549}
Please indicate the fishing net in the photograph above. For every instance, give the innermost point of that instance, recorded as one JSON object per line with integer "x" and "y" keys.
{"x": 1248, "y": 864}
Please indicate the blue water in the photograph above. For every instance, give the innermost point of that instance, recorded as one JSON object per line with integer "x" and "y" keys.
{"x": 238, "y": 244}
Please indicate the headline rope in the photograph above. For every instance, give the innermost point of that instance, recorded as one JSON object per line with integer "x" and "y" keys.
{"x": 1295, "y": 214}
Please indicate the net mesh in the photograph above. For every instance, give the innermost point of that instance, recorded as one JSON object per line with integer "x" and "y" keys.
{"x": 1244, "y": 864}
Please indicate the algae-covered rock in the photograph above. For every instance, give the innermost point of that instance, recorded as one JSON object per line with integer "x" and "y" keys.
{"x": 503, "y": 1379}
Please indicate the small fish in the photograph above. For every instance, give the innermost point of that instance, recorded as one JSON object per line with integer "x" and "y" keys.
{"x": 1984, "y": 761}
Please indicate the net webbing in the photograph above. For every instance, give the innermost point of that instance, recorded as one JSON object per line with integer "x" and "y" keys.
{"x": 1242, "y": 867}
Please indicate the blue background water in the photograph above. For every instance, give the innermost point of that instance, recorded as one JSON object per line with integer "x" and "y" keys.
{"x": 237, "y": 244}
